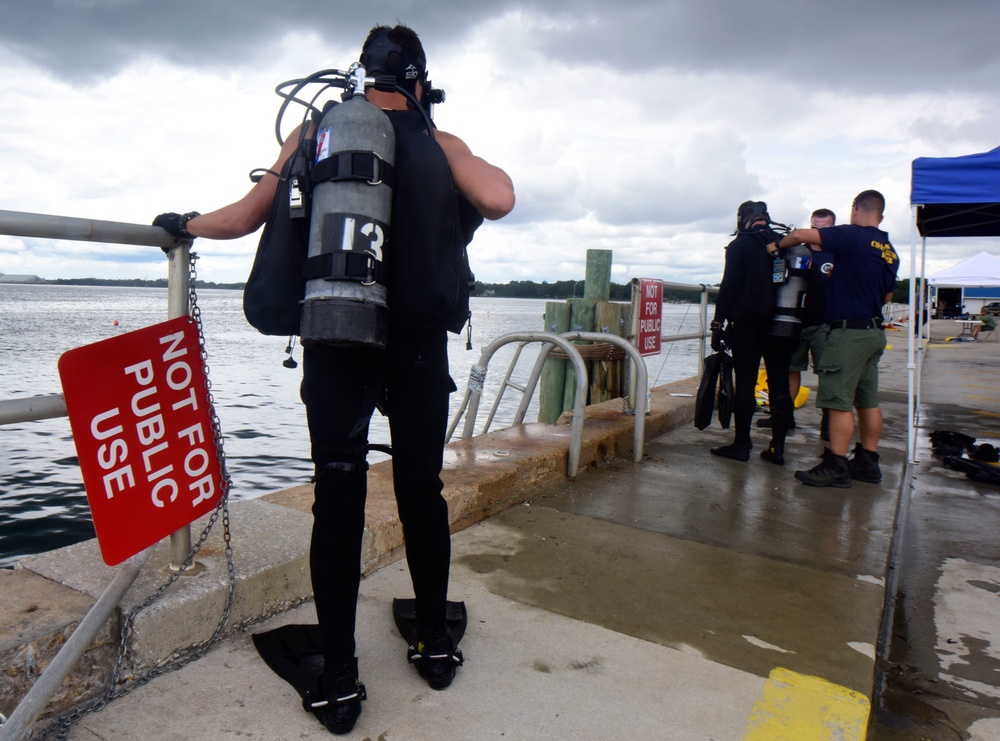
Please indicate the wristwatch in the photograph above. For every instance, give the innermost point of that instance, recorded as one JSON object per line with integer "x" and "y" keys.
{"x": 182, "y": 223}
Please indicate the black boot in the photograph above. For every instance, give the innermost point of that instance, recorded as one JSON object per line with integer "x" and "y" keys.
{"x": 864, "y": 465}
{"x": 735, "y": 452}
{"x": 436, "y": 657}
{"x": 774, "y": 454}
{"x": 834, "y": 470}
{"x": 338, "y": 703}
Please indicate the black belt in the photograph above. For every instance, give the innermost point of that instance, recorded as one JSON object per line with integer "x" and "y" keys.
{"x": 856, "y": 324}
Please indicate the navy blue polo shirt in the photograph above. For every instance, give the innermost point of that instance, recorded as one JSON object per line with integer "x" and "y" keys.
{"x": 865, "y": 268}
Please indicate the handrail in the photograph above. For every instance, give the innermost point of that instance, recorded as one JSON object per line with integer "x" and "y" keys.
{"x": 44, "y": 226}
{"x": 13, "y": 411}
{"x": 45, "y": 687}
{"x": 477, "y": 374}
{"x": 639, "y": 432}
{"x": 47, "y": 226}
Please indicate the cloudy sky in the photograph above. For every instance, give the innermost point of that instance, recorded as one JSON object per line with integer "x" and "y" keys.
{"x": 634, "y": 126}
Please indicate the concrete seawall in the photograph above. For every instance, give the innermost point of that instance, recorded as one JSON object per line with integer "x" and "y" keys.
{"x": 47, "y": 595}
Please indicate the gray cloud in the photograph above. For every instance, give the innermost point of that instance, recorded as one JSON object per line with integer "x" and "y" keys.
{"x": 920, "y": 44}
{"x": 81, "y": 39}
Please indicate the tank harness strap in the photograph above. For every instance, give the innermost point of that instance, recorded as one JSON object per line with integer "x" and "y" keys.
{"x": 366, "y": 166}
{"x": 345, "y": 265}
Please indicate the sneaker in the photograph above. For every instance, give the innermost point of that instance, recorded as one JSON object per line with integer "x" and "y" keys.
{"x": 733, "y": 452}
{"x": 436, "y": 657}
{"x": 863, "y": 465}
{"x": 338, "y": 711}
{"x": 773, "y": 455}
{"x": 834, "y": 470}
{"x": 767, "y": 424}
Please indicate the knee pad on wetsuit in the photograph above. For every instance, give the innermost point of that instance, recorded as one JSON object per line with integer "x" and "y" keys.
{"x": 347, "y": 460}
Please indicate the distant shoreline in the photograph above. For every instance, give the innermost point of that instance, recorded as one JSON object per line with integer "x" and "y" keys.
{"x": 557, "y": 291}
{"x": 117, "y": 282}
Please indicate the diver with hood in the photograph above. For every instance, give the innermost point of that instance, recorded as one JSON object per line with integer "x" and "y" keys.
{"x": 441, "y": 193}
{"x": 749, "y": 323}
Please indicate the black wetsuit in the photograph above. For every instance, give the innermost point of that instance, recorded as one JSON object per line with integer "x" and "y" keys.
{"x": 746, "y": 302}
{"x": 427, "y": 297}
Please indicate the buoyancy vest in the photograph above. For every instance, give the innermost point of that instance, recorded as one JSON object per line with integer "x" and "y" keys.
{"x": 432, "y": 225}
{"x": 746, "y": 296}
{"x": 429, "y": 278}
{"x": 272, "y": 298}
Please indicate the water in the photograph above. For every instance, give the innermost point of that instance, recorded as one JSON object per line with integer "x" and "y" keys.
{"x": 42, "y": 501}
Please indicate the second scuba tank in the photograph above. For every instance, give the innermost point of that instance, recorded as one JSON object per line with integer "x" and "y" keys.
{"x": 345, "y": 296}
{"x": 791, "y": 283}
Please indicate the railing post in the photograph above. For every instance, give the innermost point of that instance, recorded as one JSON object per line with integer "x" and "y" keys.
{"x": 704, "y": 328}
{"x": 178, "y": 292}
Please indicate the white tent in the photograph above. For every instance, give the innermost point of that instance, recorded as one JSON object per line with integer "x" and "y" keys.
{"x": 977, "y": 272}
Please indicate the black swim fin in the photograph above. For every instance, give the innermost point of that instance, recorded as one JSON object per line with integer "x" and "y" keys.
{"x": 985, "y": 473}
{"x": 705, "y": 399}
{"x": 294, "y": 653}
{"x": 404, "y": 612}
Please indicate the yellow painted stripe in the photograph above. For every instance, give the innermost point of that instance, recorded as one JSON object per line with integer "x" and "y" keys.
{"x": 797, "y": 707}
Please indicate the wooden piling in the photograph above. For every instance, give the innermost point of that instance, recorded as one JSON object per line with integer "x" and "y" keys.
{"x": 553, "y": 378}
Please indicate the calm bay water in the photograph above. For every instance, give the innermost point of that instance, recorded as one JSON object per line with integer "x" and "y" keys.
{"x": 42, "y": 501}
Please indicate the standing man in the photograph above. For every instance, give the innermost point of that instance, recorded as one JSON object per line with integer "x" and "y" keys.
{"x": 441, "y": 193}
{"x": 813, "y": 335}
{"x": 861, "y": 284}
{"x": 744, "y": 311}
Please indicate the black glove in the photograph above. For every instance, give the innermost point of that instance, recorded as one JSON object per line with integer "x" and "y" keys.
{"x": 176, "y": 224}
{"x": 718, "y": 337}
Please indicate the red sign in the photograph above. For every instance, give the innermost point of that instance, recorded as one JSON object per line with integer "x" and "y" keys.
{"x": 650, "y": 316}
{"x": 138, "y": 407}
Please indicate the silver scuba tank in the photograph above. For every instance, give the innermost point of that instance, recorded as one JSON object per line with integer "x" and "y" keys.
{"x": 791, "y": 283}
{"x": 345, "y": 295}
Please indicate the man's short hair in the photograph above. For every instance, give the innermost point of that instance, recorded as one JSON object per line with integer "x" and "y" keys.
{"x": 823, "y": 213}
{"x": 400, "y": 34}
{"x": 871, "y": 201}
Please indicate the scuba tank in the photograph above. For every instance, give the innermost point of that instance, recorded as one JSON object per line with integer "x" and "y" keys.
{"x": 345, "y": 293}
{"x": 791, "y": 273}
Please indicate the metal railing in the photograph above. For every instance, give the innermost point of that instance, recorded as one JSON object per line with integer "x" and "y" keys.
{"x": 469, "y": 406}
{"x": 474, "y": 391}
{"x": 44, "y": 226}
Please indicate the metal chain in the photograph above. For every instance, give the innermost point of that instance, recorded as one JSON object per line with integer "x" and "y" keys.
{"x": 119, "y": 684}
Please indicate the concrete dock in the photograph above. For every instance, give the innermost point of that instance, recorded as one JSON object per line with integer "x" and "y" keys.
{"x": 683, "y": 597}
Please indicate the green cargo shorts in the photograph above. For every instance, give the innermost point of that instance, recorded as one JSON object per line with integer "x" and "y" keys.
{"x": 848, "y": 369}
{"x": 812, "y": 339}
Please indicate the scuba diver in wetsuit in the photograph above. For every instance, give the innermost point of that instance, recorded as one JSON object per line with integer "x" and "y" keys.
{"x": 744, "y": 322}
{"x": 442, "y": 192}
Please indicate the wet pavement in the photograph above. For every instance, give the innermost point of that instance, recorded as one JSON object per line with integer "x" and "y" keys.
{"x": 942, "y": 677}
{"x": 684, "y": 597}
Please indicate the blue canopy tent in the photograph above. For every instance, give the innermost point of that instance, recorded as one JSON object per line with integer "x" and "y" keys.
{"x": 957, "y": 196}
{"x": 951, "y": 197}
